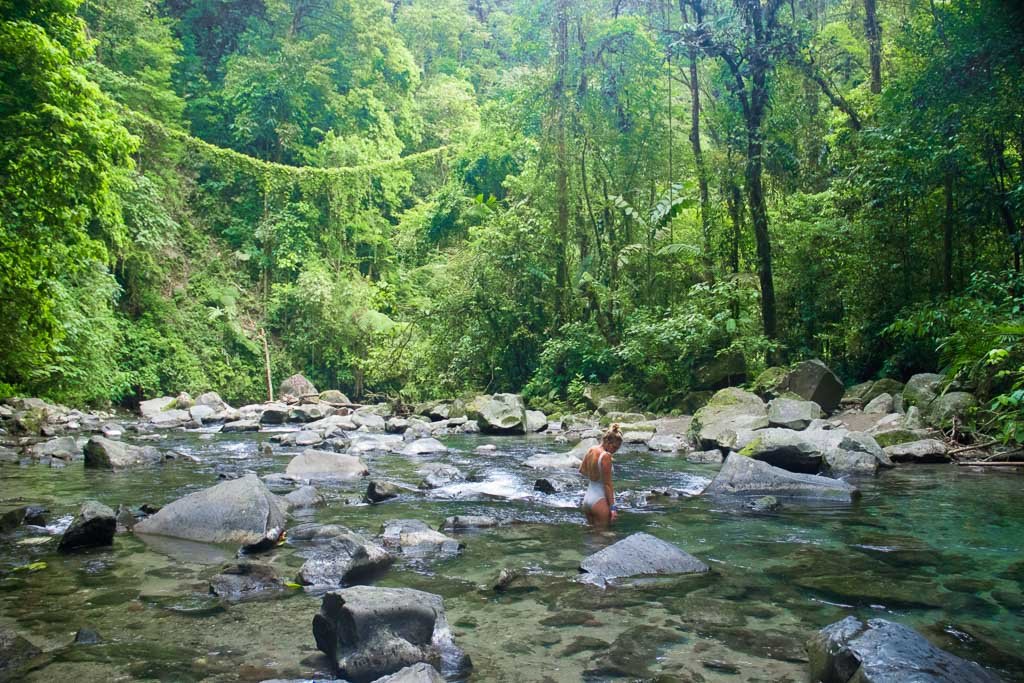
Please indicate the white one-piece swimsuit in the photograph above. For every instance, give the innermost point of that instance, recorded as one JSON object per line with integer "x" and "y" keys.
{"x": 595, "y": 492}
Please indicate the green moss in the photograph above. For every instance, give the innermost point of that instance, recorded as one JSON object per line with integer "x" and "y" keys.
{"x": 751, "y": 448}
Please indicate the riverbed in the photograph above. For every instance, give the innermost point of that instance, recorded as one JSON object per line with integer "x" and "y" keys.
{"x": 934, "y": 546}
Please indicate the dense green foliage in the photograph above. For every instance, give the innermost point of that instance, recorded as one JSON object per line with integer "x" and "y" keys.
{"x": 426, "y": 198}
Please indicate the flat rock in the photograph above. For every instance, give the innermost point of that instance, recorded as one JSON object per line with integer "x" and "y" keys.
{"x": 240, "y": 511}
{"x": 103, "y": 453}
{"x": 922, "y": 451}
{"x": 742, "y": 476}
{"x": 169, "y": 419}
{"x": 424, "y": 447}
{"x": 639, "y": 554}
{"x": 93, "y": 526}
{"x": 881, "y": 651}
{"x": 666, "y": 443}
{"x": 303, "y": 497}
{"x": 312, "y": 464}
{"x": 240, "y": 426}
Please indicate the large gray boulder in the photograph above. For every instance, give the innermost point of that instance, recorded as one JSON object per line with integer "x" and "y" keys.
{"x": 921, "y": 451}
{"x": 62, "y": 448}
{"x": 103, "y": 453}
{"x": 369, "y": 632}
{"x": 536, "y": 421}
{"x": 637, "y": 555}
{"x": 883, "y": 386}
{"x": 498, "y": 414}
{"x": 787, "y": 449}
{"x": 921, "y": 389}
{"x": 169, "y": 419}
{"x": 728, "y": 412}
{"x": 881, "y": 651}
{"x": 240, "y": 511}
{"x": 881, "y": 404}
{"x": 312, "y": 464}
{"x": 148, "y": 409}
{"x": 297, "y": 386}
{"x": 792, "y": 414}
{"x": 211, "y": 399}
{"x": 334, "y": 397}
{"x": 345, "y": 558}
{"x": 742, "y": 476}
{"x": 94, "y": 525}
{"x": 812, "y": 380}
{"x": 949, "y": 406}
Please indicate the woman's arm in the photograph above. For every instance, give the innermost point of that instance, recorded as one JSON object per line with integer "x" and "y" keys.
{"x": 606, "y": 475}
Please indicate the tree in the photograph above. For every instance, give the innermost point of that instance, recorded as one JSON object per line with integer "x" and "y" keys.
{"x": 62, "y": 151}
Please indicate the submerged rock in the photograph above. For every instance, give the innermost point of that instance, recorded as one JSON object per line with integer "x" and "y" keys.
{"x": 369, "y": 632}
{"x": 312, "y": 464}
{"x": 241, "y": 511}
{"x": 246, "y": 581}
{"x": 15, "y": 653}
{"x": 102, "y": 453}
{"x": 416, "y": 539}
{"x": 438, "y": 474}
{"x": 881, "y": 651}
{"x": 95, "y": 525}
{"x": 637, "y": 555}
{"x": 468, "y": 522}
{"x": 498, "y": 414}
{"x": 741, "y": 476}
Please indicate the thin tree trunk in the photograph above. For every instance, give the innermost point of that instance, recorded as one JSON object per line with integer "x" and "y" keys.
{"x": 266, "y": 364}
{"x": 759, "y": 217}
{"x": 874, "y": 35}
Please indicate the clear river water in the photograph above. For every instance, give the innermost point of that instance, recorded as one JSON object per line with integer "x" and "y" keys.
{"x": 936, "y": 547}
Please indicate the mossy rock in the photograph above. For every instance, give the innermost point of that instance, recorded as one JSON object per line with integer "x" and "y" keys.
{"x": 768, "y": 382}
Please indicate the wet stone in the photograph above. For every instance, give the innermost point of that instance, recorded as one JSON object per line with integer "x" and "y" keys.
{"x": 246, "y": 581}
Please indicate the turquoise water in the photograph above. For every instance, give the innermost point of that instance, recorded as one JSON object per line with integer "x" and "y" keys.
{"x": 936, "y": 547}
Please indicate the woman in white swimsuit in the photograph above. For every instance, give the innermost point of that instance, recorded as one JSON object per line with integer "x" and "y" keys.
{"x": 599, "y": 501}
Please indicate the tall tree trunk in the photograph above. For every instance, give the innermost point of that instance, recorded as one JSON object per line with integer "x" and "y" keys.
{"x": 561, "y": 157}
{"x": 874, "y": 35}
{"x": 759, "y": 217}
{"x": 947, "y": 233}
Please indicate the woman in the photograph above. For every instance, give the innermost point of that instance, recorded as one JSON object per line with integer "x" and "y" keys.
{"x": 599, "y": 501}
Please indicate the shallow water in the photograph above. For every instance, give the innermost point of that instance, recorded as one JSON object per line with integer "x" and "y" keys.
{"x": 936, "y": 547}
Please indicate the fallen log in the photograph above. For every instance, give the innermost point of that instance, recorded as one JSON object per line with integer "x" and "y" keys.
{"x": 986, "y": 463}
